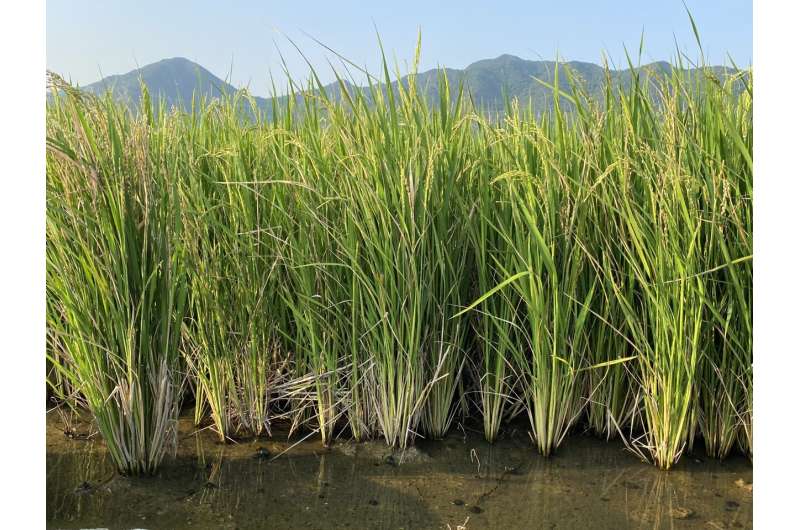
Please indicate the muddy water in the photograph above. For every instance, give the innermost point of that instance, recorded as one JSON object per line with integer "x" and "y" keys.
{"x": 460, "y": 482}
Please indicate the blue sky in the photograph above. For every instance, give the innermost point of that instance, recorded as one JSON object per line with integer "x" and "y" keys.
{"x": 240, "y": 40}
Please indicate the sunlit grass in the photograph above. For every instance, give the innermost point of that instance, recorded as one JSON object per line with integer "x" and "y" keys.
{"x": 371, "y": 263}
{"x": 116, "y": 285}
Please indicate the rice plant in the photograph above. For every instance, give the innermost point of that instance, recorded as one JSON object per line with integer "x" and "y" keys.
{"x": 494, "y": 320}
{"x": 540, "y": 257}
{"x": 233, "y": 262}
{"x": 115, "y": 279}
{"x": 311, "y": 295}
{"x": 405, "y": 258}
{"x": 611, "y": 394}
{"x": 660, "y": 196}
{"x": 360, "y": 261}
{"x": 726, "y": 384}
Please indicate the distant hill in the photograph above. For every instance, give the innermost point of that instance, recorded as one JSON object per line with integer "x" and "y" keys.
{"x": 173, "y": 80}
{"x": 489, "y": 81}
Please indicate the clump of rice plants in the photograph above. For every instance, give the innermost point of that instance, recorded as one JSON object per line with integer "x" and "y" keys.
{"x": 233, "y": 263}
{"x": 311, "y": 293}
{"x": 362, "y": 260}
{"x": 494, "y": 323}
{"x": 404, "y": 257}
{"x": 611, "y": 395}
{"x": 661, "y": 251}
{"x": 725, "y": 392}
{"x": 539, "y": 256}
{"x": 660, "y": 196}
{"x": 390, "y": 267}
{"x": 115, "y": 280}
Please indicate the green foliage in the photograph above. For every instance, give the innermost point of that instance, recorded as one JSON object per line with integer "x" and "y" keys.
{"x": 371, "y": 263}
{"x": 116, "y": 283}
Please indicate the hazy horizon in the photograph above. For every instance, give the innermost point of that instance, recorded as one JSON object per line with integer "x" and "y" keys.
{"x": 243, "y": 44}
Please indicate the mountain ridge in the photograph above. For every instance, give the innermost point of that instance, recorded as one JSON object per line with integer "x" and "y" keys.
{"x": 175, "y": 80}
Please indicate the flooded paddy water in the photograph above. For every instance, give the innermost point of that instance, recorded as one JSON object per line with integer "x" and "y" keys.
{"x": 458, "y": 482}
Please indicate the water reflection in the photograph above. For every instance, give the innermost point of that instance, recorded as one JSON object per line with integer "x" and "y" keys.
{"x": 458, "y": 482}
{"x": 73, "y": 478}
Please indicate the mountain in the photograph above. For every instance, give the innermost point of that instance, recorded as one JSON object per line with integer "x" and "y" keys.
{"x": 489, "y": 82}
{"x": 173, "y": 80}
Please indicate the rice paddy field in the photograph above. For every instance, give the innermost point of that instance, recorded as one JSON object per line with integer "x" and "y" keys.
{"x": 374, "y": 268}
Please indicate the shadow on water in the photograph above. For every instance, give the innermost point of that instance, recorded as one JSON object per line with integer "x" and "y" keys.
{"x": 592, "y": 484}
{"x": 460, "y": 481}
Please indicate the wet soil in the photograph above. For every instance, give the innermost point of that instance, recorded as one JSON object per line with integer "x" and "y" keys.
{"x": 458, "y": 482}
